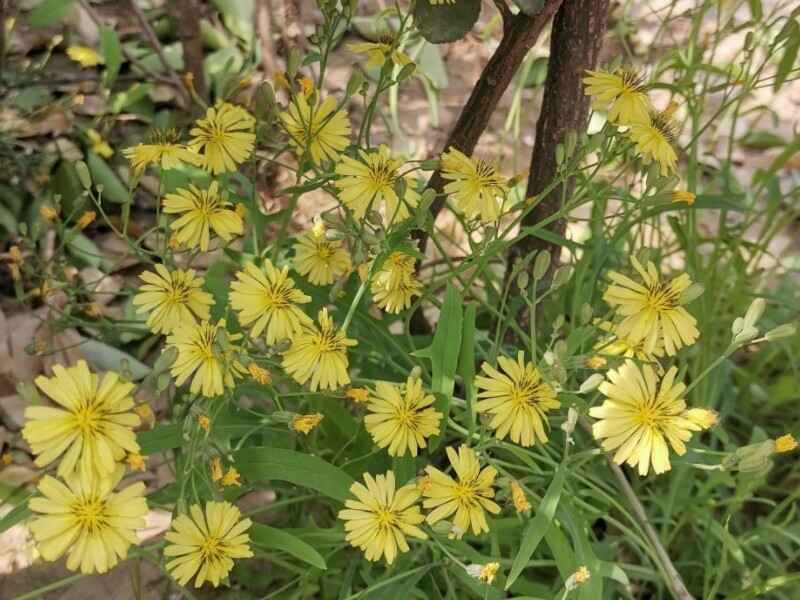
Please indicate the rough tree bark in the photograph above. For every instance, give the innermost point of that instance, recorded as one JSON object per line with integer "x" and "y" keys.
{"x": 576, "y": 38}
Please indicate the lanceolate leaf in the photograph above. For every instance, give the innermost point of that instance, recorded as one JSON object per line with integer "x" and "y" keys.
{"x": 271, "y": 538}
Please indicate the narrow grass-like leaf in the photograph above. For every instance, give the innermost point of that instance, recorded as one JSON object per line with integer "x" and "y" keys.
{"x": 112, "y": 53}
{"x": 17, "y": 514}
{"x": 271, "y": 538}
{"x": 444, "y": 353}
{"x": 466, "y": 364}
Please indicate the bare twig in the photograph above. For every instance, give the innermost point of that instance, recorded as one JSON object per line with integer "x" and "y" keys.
{"x": 264, "y": 25}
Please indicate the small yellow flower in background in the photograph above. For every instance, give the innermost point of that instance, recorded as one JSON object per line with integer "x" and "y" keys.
{"x": 485, "y": 573}
{"x": 14, "y": 260}
{"x": 653, "y": 140}
{"x": 172, "y": 298}
{"x": 87, "y": 520}
{"x": 785, "y": 443}
{"x": 6, "y": 458}
{"x": 468, "y": 497}
{"x": 203, "y": 210}
{"x": 98, "y": 145}
{"x": 216, "y": 468}
{"x": 92, "y": 428}
{"x": 369, "y": 183}
{"x": 379, "y": 52}
{"x": 401, "y": 417}
{"x": 381, "y": 517}
{"x": 213, "y": 366}
{"x": 163, "y": 150}
{"x": 321, "y": 260}
{"x": 266, "y": 299}
{"x": 85, "y": 56}
{"x": 578, "y": 578}
{"x": 320, "y": 129}
{"x": 395, "y": 284}
{"x": 204, "y": 422}
{"x": 652, "y": 313}
{"x": 595, "y": 362}
{"x": 319, "y": 354}
{"x": 48, "y": 213}
{"x": 305, "y": 423}
{"x": 519, "y": 498}
{"x": 136, "y": 461}
{"x": 280, "y": 80}
{"x": 357, "y": 395}
{"x": 518, "y": 399}
{"x": 230, "y": 478}
{"x": 703, "y": 418}
{"x": 86, "y": 219}
{"x": 683, "y": 196}
{"x": 614, "y": 345}
{"x": 205, "y": 543}
{"x": 224, "y": 137}
{"x": 476, "y": 187}
{"x": 622, "y": 93}
{"x": 259, "y": 374}
{"x": 146, "y": 415}
{"x": 641, "y": 414}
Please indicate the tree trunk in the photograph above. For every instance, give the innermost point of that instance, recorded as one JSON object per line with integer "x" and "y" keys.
{"x": 187, "y": 13}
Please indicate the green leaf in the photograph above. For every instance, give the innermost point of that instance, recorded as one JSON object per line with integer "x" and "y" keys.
{"x": 84, "y": 249}
{"x": 129, "y": 97}
{"x": 17, "y": 514}
{"x": 49, "y": 12}
{"x": 271, "y": 538}
{"x": 446, "y": 22}
{"x": 112, "y": 53}
{"x": 158, "y": 439}
{"x": 113, "y": 188}
{"x": 107, "y": 358}
{"x": 791, "y": 31}
{"x": 538, "y": 526}
{"x": 299, "y": 468}
{"x": 466, "y": 365}
{"x": 762, "y": 140}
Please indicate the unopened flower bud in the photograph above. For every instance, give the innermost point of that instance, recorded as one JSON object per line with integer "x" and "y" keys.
{"x": 754, "y": 312}
{"x": 541, "y": 264}
{"x": 591, "y": 384}
{"x": 83, "y": 174}
{"x": 781, "y": 331}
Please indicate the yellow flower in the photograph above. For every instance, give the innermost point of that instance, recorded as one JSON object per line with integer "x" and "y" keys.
{"x": 305, "y": 423}
{"x": 93, "y": 428}
{"x": 702, "y": 417}
{"x": 85, "y": 56}
{"x": 486, "y": 573}
{"x": 48, "y": 213}
{"x": 163, "y": 150}
{"x": 622, "y": 93}
{"x": 614, "y": 345}
{"x": 206, "y": 543}
{"x": 357, "y": 395}
{"x": 595, "y": 362}
{"x": 136, "y": 461}
{"x": 266, "y": 299}
{"x": 6, "y": 458}
{"x": 652, "y": 313}
{"x": 145, "y": 414}
{"x": 579, "y": 577}
{"x": 321, "y": 260}
{"x": 86, "y": 219}
{"x": 319, "y": 354}
{"x": 785, "y": 443}
{"x": 204, "y": 422}
{"x": 653, "y": 140}
{"x": 230, "y": 478}
{"x": 205, "y": 350}
{"x": 320, "y": 130}
{"x": 381, "y": 517}
{"x": 518, "y": 399}
{"x": 476, "y": 187}
{"x": 379, "y": 52}
{"x": 401, "y": 418}
{"x": 641, "y": 415}
{"x": 216, "y": 468}
{"x": 225, "y": 137}
{"x": 87, "y": 520}
{"x": 203, "y": 210}
{"x": 259, "y": 374}
{"x": 369, "y": 183}
{"x": 683, "y": 196}
{"x": 98, "y": 144}
{"x": 172, "y": 298}
{"x": 519, "y": 499}
{"x": 468, "y": 497}
{"x": 395, "y": 284}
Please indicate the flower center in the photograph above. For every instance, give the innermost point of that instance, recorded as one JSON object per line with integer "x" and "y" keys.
{"x": 212, "y": 548}
{"x": 178, "y": 294}
{"x": 385, "y": 518}
{"x": 464, "y": 493}
{"x": 525, "y": 393}
{"x": 382, "y": 174}
{"x": 649, "y": 417}
{"x": 87, "y": 418}
{"x": 324, "y": 251}
{"x": 277, "y": 297}
{"x": 486, "y": 176}
{"x": 661, "y": 297}
{"x": 327, "y": 342}
{"x": 90, "y": 513}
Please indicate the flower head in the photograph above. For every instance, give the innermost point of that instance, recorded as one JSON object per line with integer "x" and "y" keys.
{"x": 231, "y": 478}
{"x": 305, "y": 423}
{"x": 357, "y": 395}
{"x": 468, "y": 497}
{"x": 163, "y": 150}
{"x": 395, "y": 284}
{"x": 401, "y": 418}
{"x": 381, "y": 517}
{"x": 205, "y": 543}
{"x": 203, "y": 210}
{"x": 485, "y": 573}
{"x": 476, "y": 187}
{"x": 266, "y": 300}
{"x": 87, "y": 520}
{"x": 318, "y": 129}
{"x": 172, "y": 298}
{"x": 225, "y": 137}
{"x": 85, "y": 56}
{"x": 259, "y": 374}
{"x": 683, "y": 196}
{"x": 622, "y": 93}
{"x": 86, "y": 219}
{"x": 651, "y": 313}
{"x": 653, "y": 140}
{"x": 785, "y": 443}
{"x": 641, "y": 415}
{"x": 98, "y": 145}
{"x": 614, "y": 345}
{"x": 321, "y": 260}
{"x": 206, "y": 351}
{"x": 319, "y": 354}
{"x": 92, "y": 428}
{"x": 517, "y": 399}
{"x": 136, "y": 461}
{"x": 371, "y": 182}
{"x": 380, "y": 52}
{"x": 519, "y": 498}
{"x": 579, "y": 577}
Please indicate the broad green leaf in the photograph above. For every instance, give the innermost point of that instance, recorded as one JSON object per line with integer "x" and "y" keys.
{"x": 538, "y": 526}
{"x": 113, "y": 189}
{"x": 271, "y": 538}
{"x": 216, "y": 282}
{"x": 299, "y": 468}
{"x": 49, "y": 12}
{"x": 112, "y": 53}
{"x": 446, "y": 22}
{"x": 107, "y": 358}
{"x": 158, "y": 439}
{"x": 85, "y": 250}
